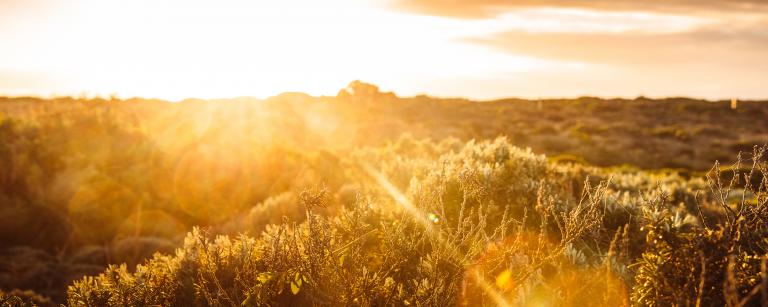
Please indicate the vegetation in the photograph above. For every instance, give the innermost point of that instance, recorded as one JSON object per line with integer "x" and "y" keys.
{"x": 298, "y": 200}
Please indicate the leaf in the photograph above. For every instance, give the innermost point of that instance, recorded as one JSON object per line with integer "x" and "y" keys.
{"x": 297, "y": 279}
{"x": 264, "y": 277}
{"x": 296, "y": 283}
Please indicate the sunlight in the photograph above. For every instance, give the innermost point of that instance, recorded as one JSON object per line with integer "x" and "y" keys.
{"x": 180, "y": 49}
{"x": 383, "y": 152}
{"x": 175, "y": 50}
{"x": 428, "y": 221}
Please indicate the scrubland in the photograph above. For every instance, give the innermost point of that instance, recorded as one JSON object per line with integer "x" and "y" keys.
{"x": 366, "y": 198}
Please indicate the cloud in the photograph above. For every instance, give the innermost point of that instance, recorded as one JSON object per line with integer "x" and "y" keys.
{"x": 707, "y": 61}
{"x": 744, "y": 45}
{"x": 491, "y": 8}
{"x": 687, "y": 39}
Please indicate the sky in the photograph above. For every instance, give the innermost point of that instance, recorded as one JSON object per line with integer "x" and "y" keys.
{"x": 485, "y": 49}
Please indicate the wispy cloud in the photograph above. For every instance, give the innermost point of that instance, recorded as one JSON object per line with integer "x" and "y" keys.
{"x": 491, "y": 8}
{"x": 712, "y": 48}
{"x": 743, "y": 46}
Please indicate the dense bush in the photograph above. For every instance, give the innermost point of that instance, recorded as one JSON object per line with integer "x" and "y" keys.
{"x": 304, "y": 200}
{"x": 486, "y": 223}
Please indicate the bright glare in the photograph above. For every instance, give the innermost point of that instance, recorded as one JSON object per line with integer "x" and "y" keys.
{"x": 215, "y": 49}
{"x": 178, "y": 49}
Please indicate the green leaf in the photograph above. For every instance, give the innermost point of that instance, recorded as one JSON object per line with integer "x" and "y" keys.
{"x": 295, "y": 288}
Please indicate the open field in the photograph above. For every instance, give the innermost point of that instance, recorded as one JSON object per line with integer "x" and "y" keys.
{"x": 367, "y": 198}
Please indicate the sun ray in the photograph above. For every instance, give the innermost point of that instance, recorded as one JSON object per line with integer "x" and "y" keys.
{"x": 423, "y": 218}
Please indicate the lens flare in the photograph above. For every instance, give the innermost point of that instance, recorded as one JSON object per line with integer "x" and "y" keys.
{"x": 428, "y": 221}
{"x": 433, "y": 218}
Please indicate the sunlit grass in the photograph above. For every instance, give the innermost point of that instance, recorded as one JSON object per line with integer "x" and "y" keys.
{"x": 305, "y": 200}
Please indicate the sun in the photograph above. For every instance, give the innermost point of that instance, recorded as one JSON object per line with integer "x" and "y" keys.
{"x": 181, "y": 49}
